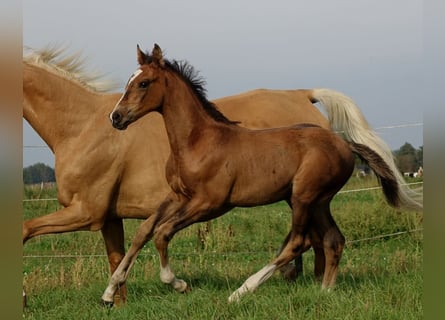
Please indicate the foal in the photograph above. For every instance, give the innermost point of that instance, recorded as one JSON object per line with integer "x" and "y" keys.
{"x": 216, "y": 165}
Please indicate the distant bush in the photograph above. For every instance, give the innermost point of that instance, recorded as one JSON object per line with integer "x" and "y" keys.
{"x": 38, "y": 173}
{"x": 409, "y": 159}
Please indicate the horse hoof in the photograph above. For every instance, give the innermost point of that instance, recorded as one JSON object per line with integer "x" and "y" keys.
{"x": 24, "y": 301}
{"x": 328, "y": 289}
{"x": 119, "y": 301}
{"x": 187, "y": 290}
{"x": 107, "y": 304}
{"x": 234, "y": 297}
{"x": 289, "y": 273}
{"x": 181, "y": 286}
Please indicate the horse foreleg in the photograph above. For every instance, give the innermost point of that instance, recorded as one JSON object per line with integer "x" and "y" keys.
{"x": 117, "y": 280}
{"x": 113, "y": 234}
{"x": 161, "y": 241}
{"x": 185, "y": 214}
{"x": 71, "y": 218}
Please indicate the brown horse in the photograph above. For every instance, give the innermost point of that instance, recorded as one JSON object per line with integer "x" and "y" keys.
{"x": 216, "y": 165}
{"x": 104, "y": 176}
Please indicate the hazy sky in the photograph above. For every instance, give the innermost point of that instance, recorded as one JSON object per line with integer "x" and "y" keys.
{"x": 371, "y": 50}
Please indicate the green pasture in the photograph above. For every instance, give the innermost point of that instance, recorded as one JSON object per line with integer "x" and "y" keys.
{"x": 380, "y": 275}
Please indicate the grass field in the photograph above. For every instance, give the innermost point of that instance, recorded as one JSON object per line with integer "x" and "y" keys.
{"x": 380, "y": 275}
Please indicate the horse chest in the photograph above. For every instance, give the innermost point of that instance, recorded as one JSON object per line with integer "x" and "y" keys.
{"x": 174, "y": 172}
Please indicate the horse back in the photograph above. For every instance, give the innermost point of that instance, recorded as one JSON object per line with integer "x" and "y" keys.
{"x": 266, "y": 108}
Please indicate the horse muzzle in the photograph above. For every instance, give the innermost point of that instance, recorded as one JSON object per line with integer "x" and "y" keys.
{"x": 118, "y": 121}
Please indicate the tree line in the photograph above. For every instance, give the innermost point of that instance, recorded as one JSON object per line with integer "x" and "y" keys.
{"x": 38, "y": 173}
{"x": 408, "y": 159}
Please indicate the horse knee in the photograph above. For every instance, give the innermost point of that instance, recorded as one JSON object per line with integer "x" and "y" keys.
{"x": 114, "y": 260}
{"x": 162, "y": 238}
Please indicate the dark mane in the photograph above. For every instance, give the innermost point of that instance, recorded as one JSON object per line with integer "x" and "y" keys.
{"x": 197, "y": 83}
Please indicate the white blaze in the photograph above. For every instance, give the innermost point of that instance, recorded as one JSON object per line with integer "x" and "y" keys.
{"x": 135, "y": 74}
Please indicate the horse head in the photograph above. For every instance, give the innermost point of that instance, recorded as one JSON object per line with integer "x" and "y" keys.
{"x": 144, "y": 91}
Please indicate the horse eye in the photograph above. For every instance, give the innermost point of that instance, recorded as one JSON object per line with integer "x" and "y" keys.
{"x": 143, "y": 84}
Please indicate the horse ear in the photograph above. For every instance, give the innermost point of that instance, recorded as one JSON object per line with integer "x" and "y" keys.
{"x": 142, "y": 57}
{"x": 157, "y": 55}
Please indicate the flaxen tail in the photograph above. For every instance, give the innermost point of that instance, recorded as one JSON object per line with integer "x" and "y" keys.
{"x": 346, "y": 118}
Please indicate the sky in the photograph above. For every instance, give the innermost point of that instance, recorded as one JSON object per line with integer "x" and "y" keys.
{"x": 371, "y": 50}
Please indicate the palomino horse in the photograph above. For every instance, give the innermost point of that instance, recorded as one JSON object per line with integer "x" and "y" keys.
{"x": 104, "y": 176}
{"x": 304, "y": 164}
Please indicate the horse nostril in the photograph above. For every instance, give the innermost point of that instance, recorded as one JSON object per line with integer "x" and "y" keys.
{"x": 116, "y": 116}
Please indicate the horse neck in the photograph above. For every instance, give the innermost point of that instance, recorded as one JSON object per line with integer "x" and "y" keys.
{"x": 184, "y": 117}
{"x": 56, "y": 107}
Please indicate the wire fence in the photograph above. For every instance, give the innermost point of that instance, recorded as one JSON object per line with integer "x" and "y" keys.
{"x": 340, "y": 192}
{"x": 406, "y": 125}
{"x": 367, "y": 239}
{"x": 372, "y": 238}
{"x": 232, "y": 253}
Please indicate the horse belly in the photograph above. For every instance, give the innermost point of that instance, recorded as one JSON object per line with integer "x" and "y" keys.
{"x": 262, "y": 187}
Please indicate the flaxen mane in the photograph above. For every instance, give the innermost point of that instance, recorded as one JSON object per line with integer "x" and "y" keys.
{"x": 69, "y": 66}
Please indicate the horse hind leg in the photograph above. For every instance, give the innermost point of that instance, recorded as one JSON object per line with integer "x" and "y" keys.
{"x": 331, "y": 241}
{"x": 333, "y": 247}
{"x": 113, "y": 235}
{"x": 323, "y": 235}
{"x": 296, "y": 244}
{"x": 291, "y": 271}
{"x": 319, "y": 253}
{"x": 294, "y": 248}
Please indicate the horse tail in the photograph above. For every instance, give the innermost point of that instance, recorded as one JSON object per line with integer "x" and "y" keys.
{"x": 383, "y": 172}
{"x": 346, "y": 118}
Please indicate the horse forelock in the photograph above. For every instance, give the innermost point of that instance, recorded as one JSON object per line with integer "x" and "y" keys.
{"x": 56, "y": 60}
{"x": 197, "y": 83}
